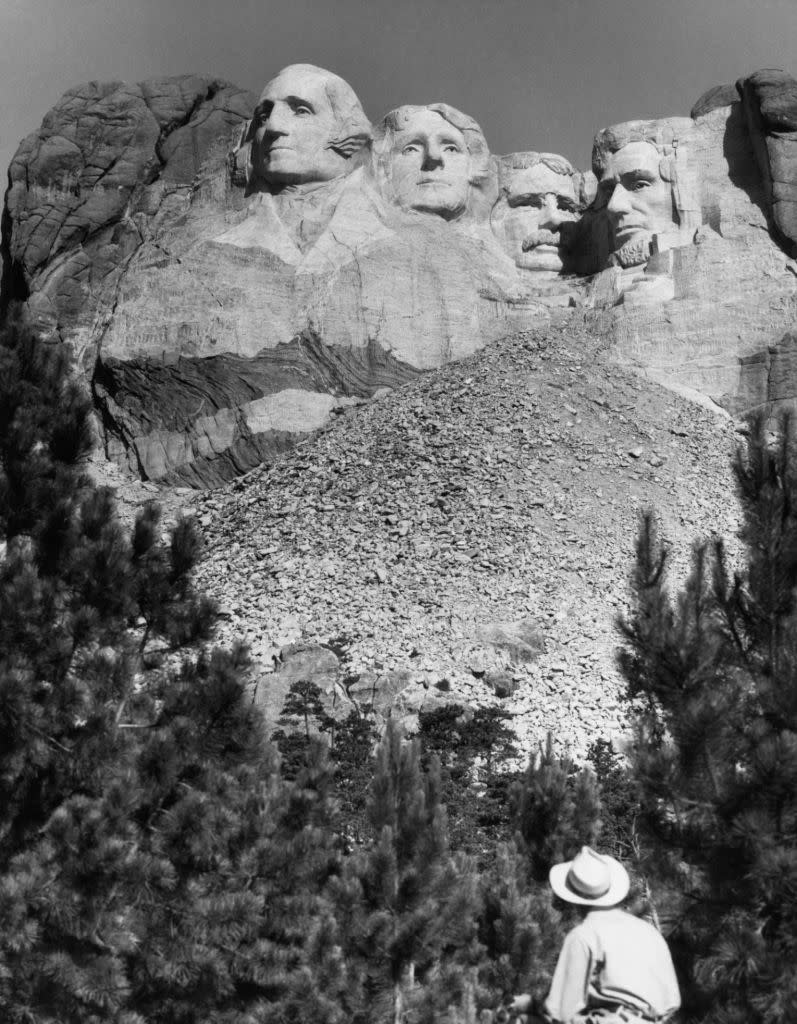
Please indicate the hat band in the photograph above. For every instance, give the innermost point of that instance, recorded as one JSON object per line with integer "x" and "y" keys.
{"x": 585, "y": 889}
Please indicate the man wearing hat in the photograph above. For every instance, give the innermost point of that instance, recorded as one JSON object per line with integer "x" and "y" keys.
{"x": 613, "y": 966}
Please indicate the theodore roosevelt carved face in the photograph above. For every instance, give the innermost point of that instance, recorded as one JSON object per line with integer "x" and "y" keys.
{"x": 305, "y": 129}
{"x": 538, "y": 196}
{"x": 430, "y": 157}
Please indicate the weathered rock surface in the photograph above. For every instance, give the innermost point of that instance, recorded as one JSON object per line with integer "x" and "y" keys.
{"x": 219, "y": 314}
{"x": 230, "y": 279}
{"x": 469, "y": 538}
{"x": 770, "y": 101}
{"x": 108, "y": 160}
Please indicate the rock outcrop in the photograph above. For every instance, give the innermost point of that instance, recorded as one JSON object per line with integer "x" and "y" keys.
{"x": 770, "y": 103}
{"x": 231, "y": 272}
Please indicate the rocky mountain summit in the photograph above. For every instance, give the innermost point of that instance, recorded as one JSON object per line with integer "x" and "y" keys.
{"x": 468, "y": 538}
{"x": 232, "y": 271}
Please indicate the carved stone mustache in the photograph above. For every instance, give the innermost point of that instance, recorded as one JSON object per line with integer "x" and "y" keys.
{"x": 541, "y": 237}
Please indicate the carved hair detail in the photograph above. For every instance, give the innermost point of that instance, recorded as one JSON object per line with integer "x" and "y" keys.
{"x": 525, "y": 161}
{"x": 355, "y": 128}
{"x": 665, "y": 134}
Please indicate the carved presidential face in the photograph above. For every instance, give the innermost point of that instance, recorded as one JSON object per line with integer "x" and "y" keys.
{"x": 639, "y": 202}
{"x": 429, "y": 165}
{"x": 294, "y": 125}
{"x": 540, "y": 200}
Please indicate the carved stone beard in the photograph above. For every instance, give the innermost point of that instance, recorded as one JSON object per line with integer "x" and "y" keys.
{"x": 632, "y": 254}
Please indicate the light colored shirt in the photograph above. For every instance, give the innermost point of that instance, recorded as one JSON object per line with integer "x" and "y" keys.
{"x": 613, "y": 958}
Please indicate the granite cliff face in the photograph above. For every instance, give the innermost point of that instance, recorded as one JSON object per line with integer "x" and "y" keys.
{"x": 232, "y": 271}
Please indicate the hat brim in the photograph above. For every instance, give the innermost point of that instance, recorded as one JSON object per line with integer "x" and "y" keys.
{"x": 619, "y": 885}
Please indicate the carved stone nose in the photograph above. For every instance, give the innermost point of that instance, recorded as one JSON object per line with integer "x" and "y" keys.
{"x": 550, "y": 215}
{"x": 619, "y": 201}
{"x": 433, "y": 158}
{"x": 276, "y": 122}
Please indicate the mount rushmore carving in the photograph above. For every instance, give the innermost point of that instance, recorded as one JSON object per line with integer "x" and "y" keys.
{"x": 230, "y": 270}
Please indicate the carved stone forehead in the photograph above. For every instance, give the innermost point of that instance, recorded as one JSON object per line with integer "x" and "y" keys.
{"x": 633, "y": 156}
{"x": 666, "y": 135}
{"x": 425, "y": 119}
{"x": 310, "y": 82}
{"x": 538, "y": 179}
{"x": 513, "y": 162}
{"x": 398, "y": 119}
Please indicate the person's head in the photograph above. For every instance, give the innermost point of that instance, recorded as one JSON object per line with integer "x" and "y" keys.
{"x": 429, "y": 158}
{"x": 590, "y": 880}
{"x": 538, "y": 194}
{"x": 307, "y": 127}
{"x": 638, "y": 166}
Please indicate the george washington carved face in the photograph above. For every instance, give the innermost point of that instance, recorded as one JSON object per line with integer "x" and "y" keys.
{"x": 306, "y": 128}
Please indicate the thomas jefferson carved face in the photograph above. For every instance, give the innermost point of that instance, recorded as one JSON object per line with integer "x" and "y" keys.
{"x": 540, "y": 199}
{"x": 296, "y": 127}
{"x": 430, "y": 165}
{"x": 639, "y": 201}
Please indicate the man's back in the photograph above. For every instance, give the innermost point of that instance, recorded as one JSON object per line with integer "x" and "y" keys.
{"x": 613, "y": 958}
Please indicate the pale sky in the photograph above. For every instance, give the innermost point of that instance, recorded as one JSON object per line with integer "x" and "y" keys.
{"x": 536, "y": 74}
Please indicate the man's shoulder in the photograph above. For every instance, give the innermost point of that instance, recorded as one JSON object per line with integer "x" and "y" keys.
{"x": 600, "y": 922}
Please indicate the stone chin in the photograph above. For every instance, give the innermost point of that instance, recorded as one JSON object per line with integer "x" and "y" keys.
{"x": 444, "y": 199}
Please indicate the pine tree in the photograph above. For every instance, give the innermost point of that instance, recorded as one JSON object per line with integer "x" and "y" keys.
{"x": 519, "y": 930}
{"x": 406, "y": 906}
{"x": 154, "y": 867}
{"x": 556, "y": 807}
{"x": 475, "y": 750}
{"x": 714, "y": 673}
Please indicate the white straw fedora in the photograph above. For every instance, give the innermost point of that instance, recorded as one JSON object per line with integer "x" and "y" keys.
{"x": 590, "y": 879}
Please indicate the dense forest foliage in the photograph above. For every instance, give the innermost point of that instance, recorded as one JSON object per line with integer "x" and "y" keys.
{"x": 164, "y": 861}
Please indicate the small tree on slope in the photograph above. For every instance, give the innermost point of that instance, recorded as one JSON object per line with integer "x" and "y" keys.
{"x": 715, "y": 669}
{"x": 407, "y": 907}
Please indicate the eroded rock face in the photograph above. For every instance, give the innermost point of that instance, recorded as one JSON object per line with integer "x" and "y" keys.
{"x": 233, "y": 271}
{"x": 770, "y": 103}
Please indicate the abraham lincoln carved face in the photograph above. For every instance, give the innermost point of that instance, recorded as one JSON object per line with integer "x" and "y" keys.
{"x": 639, "y": 201}
{"x": 648, "y": 186}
